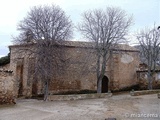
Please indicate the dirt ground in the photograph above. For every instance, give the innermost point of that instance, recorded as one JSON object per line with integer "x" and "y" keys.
{"x": 121, "y": 107}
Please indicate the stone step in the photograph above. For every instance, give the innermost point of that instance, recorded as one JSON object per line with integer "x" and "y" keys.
{"x": 79, "y": 96}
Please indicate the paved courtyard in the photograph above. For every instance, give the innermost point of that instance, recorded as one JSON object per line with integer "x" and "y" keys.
{"x": 122, "y": 107}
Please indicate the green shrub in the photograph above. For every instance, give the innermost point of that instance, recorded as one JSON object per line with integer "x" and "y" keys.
{"x": 5, "y": 60}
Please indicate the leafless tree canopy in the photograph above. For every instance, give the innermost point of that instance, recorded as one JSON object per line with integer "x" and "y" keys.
{"x": 48, "y": 27}
{"x": 149, "y": 40}
{"x": 108, "y": 26}
{"x": 47, "y": 22}
{"x": 50, "y": 59}
{"x": 107, "y": 29}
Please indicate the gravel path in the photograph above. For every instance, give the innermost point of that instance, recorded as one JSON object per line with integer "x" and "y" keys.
{"x": 122, "y": 107}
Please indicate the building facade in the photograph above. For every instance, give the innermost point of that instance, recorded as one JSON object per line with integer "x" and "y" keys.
{"x": 79, "y": 73}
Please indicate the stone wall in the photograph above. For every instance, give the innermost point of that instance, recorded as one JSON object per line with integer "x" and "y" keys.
{"x": 5, "y": 67}
{"x": 79, "y": 74}
{"x": 143, "y": 81}
{"x": 123, "y": 66}
{"x": 7, "y": 87}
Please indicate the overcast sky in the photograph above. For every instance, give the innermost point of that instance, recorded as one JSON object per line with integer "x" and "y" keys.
{"x": 145, "y": 14}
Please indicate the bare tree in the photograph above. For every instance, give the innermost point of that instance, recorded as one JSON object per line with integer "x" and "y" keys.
{"x": 50, "y": 62}
{"x": 48, "y": 22}
{"x": 48, "y": 27}
{"x": 106, "y": 28}
{"x": 149, "y": 40}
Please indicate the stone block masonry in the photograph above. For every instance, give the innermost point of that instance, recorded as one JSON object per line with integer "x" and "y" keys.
{"x": 7, "y": 87}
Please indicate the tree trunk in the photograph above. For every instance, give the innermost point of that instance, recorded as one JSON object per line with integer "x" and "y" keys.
{"x": 46, "y": 90}
{"x": 149, "y": 80}
{"x": 99, "y": 85}
{"x": 100, "y": 73}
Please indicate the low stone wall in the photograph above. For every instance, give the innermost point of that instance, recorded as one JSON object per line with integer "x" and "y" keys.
{"x": 143, "y": 82}
{"x": 158, "y": 95}
{"x": 79, "y": 96}
{"x": 7, "y": 89}
{"x": 144, "y": 92}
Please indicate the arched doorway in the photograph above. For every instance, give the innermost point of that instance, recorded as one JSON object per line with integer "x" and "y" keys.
{"x": 105, "y": 84}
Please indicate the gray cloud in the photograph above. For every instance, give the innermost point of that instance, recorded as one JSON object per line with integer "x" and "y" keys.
{"x": 145, "y": 13}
